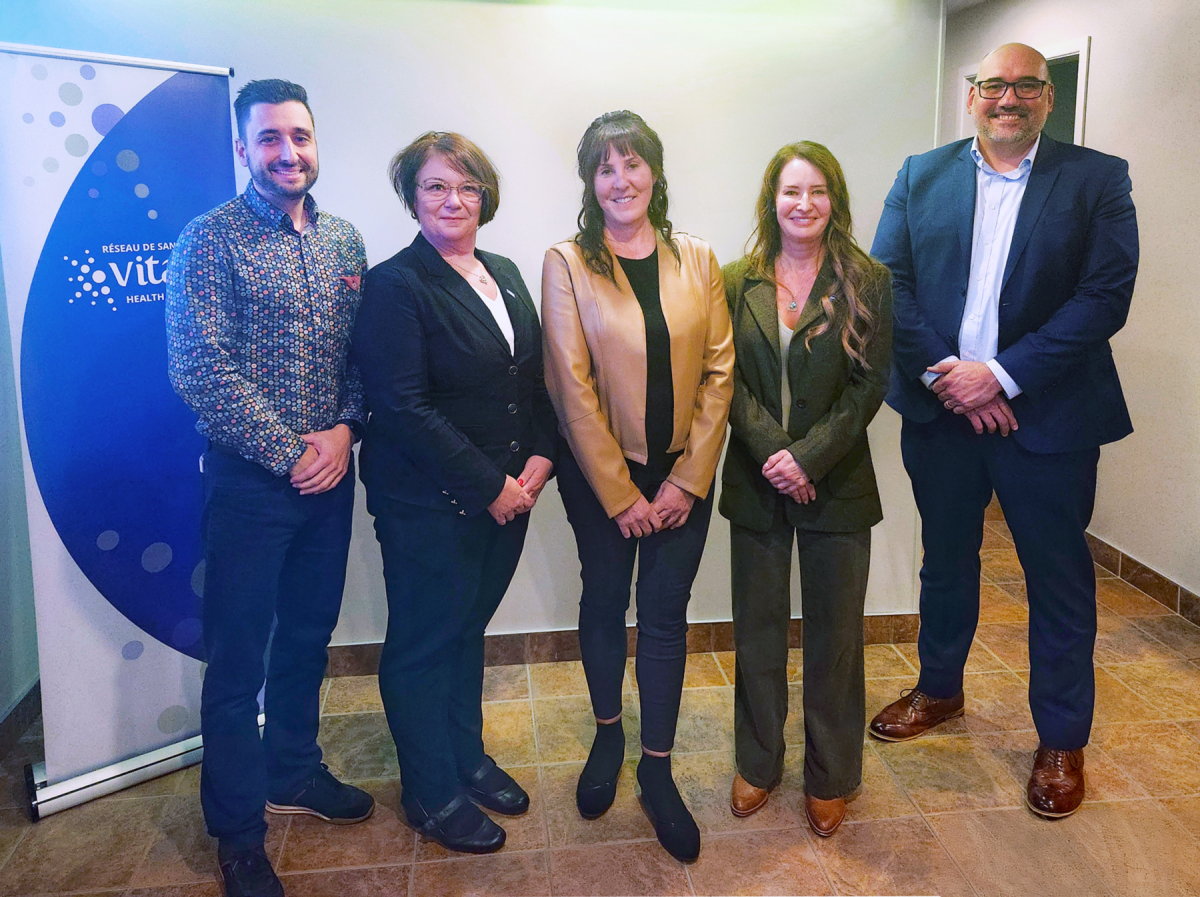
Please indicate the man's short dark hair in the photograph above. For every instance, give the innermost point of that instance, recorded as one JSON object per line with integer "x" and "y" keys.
{"x": 269, "y": 90}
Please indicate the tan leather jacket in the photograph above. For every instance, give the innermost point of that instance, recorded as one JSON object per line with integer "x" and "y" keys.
{"x": 595, "y": 354}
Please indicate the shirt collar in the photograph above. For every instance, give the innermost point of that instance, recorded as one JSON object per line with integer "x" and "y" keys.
{"x": 1022, "y": 169}
{"x": 272, "y": 215}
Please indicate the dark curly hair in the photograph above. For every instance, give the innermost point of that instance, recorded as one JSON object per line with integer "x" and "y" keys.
{"x": 625, "y": 132}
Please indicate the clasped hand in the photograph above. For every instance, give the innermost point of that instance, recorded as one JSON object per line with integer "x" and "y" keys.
{"x": 783, "y": 472}
{"x": 520, "y": 495}
{"x": 324, "y": 461}
{"x": 970, "y": 388}
{"x": 669, "y": 510}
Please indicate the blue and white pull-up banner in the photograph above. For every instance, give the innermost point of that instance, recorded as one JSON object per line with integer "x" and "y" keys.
{"x": 103, "y": 160}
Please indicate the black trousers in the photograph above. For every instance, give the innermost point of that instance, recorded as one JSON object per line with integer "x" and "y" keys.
{"x": 273, "y": 558}
{"x": 667, "y": 564}
{"x": 1047, "y": 501}
{"x": 833, "y": 578}
{"x": 445, "y": 575}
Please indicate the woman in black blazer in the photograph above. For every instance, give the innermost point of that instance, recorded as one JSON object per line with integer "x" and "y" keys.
{"x": 458, "y": 446}
{"x": 812, "y": 327}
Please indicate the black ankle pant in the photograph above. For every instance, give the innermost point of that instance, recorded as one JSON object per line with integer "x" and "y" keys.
{"x": 667, "y": 565}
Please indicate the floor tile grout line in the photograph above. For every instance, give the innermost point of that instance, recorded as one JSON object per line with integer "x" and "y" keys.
{"x": 946, "y": 850}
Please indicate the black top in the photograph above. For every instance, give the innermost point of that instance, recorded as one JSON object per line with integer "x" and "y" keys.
{"x": 660, "y": 391}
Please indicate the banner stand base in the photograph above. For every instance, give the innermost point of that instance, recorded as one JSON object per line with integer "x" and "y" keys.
{"x": 45, "y": 799}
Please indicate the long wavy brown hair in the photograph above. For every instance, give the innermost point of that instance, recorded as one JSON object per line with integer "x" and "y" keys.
{"x": 856, "y": 271}
{"x": 624, "y": 132}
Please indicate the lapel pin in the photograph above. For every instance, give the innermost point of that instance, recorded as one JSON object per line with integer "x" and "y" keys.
{"x": 510, "y": 292}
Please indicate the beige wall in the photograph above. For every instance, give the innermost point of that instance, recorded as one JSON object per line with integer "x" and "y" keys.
{"x": 1142, "y": 105}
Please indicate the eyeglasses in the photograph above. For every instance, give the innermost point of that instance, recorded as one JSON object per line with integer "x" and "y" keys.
{"x": 469, "y": 192}
{"x": 1025, "y": 89}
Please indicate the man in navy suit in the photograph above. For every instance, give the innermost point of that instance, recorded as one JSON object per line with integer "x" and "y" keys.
{"x": 1013, "y": 258}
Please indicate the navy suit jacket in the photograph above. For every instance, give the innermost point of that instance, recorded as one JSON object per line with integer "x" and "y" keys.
{"x": 452, "y": 409}
{"x": 1065, "y": 291}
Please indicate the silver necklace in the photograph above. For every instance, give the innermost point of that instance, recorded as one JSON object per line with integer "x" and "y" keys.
{"x": 792, "y": 305}
{"x": 482, "y": 278}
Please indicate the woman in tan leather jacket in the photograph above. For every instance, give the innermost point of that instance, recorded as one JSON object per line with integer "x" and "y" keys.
{"x": 639, "y": 366}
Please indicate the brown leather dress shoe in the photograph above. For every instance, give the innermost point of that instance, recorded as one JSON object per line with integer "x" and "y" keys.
{"x": 914, "y": 714}
{"x": 1055, "y": 788}
{"x": 824, "y": 816}
{"x": 745, "y": 799}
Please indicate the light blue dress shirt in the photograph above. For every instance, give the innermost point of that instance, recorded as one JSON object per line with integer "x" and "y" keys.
{"x": 998, "y": 198}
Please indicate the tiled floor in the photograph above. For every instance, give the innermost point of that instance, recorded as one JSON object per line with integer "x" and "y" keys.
{"x": 940, "y": 815}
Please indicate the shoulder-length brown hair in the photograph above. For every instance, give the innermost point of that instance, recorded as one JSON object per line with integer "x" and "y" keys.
{"x": 856, "y": 271}
{"x": 460, "y": 154}
{"x": 625, "y": 132}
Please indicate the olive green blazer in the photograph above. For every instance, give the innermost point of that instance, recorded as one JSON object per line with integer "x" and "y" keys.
{"x": 833, "y": 400}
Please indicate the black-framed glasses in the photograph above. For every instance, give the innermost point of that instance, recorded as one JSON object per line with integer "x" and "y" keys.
{"x": 468, "y": 192}
{"x": 1025, "y": 89}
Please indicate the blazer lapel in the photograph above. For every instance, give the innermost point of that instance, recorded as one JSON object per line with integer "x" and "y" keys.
{"x": 453, "y": 283}
{"x": 760, "y": 300}
{"x": 1041, "y": 180}
{"x": 520, "y": 310}
{"x": 962, "y": 191}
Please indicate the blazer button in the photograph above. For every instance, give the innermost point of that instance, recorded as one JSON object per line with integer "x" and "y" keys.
{"x": 513, "y": 370}
{"x": 800, "y": 403}
{"x": 514, "y": 446}
{"x": 512, "y": 409}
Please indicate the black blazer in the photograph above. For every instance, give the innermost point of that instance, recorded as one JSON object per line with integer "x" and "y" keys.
{"x": 1066, "y": 289}
{"x": 452, "y": 410}
{"x": 833, "y": 400}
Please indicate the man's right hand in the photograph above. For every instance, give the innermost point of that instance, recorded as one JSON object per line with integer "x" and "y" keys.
{"x": 511, "y": 501}
{"x": 639, "y": 519}
{"x": 995, "y": 415}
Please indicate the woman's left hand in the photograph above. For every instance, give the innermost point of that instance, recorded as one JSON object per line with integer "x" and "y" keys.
{"x": 536, "y": 475}
{"x": 673, "y": 505}
{"x": 782, "y": 472}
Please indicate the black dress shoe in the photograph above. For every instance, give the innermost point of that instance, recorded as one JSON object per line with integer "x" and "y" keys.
{"x": 460, "y": 826}
{"x": 495, "y": 789}
{"x": 247, "y": 872}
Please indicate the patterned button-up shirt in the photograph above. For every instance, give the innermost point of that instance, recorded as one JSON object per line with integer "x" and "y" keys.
{"x": 259, "y": 320}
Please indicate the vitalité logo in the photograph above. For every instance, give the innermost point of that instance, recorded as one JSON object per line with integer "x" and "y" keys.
{"x": 94, "y": 283}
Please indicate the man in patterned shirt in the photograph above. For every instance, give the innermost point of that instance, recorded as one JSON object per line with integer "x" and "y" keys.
{"x": 262, "y": 293}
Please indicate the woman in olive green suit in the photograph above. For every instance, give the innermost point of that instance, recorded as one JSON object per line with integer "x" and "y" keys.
{"x": 812, "y": 324}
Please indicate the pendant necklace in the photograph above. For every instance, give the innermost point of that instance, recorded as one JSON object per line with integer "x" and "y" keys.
{"x": 482, "y": 278}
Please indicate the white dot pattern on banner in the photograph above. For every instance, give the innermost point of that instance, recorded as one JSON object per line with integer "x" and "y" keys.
{"x": 50, "y": 164}
{"x": 39, "y": 72}
{"x": 152, "y": 214}
{"x": 94, "y": 193}
{"x": 86, "y": 72}
{"x": 172, "y": 719}
{"x": 76, "y": 144}
{"x": 132, "y": 650}
{"x": 127, "y": 160}
{"x": 99, "y": 168}
{"x": 109, "y": 539}
{"x": 70, "y": 93}
{"x": 27, "y": 118}
{"x": 141, "y": 191}
{"x": 198, "y": 580}
{"x": 156, "y": 557}
{"x": 105, "y": 291}
{"x": 99, "y": 276}
{"x": 57, "y": 119}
